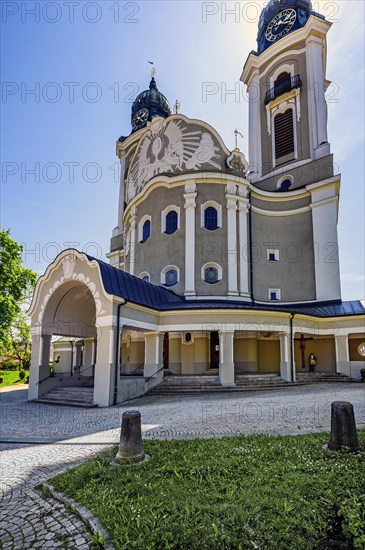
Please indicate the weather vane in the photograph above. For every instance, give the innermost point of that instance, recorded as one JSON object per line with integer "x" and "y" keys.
{"x": 236, "y": 134}
{"x": 177, "y": 106}
{"x": 153, "y": 70}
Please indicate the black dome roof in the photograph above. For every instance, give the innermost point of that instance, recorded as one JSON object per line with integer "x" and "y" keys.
{"x": 153, "y": 100}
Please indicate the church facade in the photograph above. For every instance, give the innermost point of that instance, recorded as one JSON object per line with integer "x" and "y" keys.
{"x": 218, "y": 265}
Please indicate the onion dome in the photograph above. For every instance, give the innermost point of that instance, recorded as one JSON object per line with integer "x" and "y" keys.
{"x": 148, "y": 104}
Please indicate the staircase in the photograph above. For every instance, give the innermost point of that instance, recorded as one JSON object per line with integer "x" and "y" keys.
{"x": 316, "y": 377}
{"x": 192, "y": 385}
{"x": 77, "y": 396}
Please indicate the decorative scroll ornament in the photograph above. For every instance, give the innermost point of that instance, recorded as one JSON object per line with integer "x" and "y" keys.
{"x": 68, "y": 265}
{"x": 170, "y": 148}
{"x": 81, "y": 277}
{"x": 237, "y": 162}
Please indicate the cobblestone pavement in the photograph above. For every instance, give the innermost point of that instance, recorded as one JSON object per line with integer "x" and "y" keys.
{"x": 64, "y": 436}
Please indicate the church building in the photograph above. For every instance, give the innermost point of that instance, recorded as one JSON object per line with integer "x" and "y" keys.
{"x": 222, "y": 268}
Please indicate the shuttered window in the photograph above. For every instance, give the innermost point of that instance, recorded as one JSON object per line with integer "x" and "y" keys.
{"x": 284, "y": 134}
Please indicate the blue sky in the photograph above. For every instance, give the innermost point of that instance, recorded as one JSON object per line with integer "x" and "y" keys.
{"x": 87, "y": 61}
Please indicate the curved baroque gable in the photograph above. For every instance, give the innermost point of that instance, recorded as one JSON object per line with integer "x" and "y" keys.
{"x": 174, "y": 146}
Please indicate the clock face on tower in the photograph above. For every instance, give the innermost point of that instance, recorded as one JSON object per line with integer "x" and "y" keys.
{"x": 140, "y": 119}
{"x": 280, "y": 25}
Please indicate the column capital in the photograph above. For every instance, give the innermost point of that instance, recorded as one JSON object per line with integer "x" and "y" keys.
{"x": 190, "y": 187}
{"x": 231, "y": 204}
{"x": 244, "y": 206}
{"x": 231, "y": 189}
{"x": 190, "y": 201}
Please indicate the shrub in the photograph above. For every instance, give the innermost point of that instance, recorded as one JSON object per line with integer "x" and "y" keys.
{"x": 22, "y": 375}
{"x": 10, "y": 364}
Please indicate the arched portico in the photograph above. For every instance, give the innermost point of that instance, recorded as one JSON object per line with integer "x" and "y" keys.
{"x": 70, "y": 302}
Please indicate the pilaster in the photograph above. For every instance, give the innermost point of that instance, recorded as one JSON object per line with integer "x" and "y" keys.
{"x": 190, "y": 206}
{"x": 226, "y": 361}
{"x": 231, "y": 206}
{"x": 133, "y": 243}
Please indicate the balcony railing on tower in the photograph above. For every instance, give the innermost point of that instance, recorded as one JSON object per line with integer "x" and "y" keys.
{"x": 282, "y": 87}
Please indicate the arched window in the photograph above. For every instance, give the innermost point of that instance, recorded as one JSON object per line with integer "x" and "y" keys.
{"x": 211, "y": 273}
{"x": 211, "y": 218}
{"x": 144, "y": 276}
{"x": 146, "y": 231}
{"x": 282, "y": 84}
{"x": 171, "y": 222}
{"x": 170, "y": 275}
{"x": 284, "y": 134}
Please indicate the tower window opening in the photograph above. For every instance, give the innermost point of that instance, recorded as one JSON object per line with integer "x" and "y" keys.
{"x": 284, "y": 134}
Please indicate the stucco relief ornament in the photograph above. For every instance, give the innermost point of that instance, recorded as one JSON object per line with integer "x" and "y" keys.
{"x": 170, "y": 148}
{"x": 68, "y": 265}
{"x": 237, "y": 162}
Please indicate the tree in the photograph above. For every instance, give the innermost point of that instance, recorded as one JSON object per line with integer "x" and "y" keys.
{"x": 16, "y": 286}
{"x": 20, "y": 341}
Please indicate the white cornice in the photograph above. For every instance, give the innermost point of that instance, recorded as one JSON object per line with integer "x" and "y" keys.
{"x": 280, "y": 213}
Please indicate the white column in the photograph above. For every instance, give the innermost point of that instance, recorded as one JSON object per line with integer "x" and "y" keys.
{"x": 226, "y": 361}
{"x": 327, "y": 268}
{"x": 88, "y": 358}
{"x": 105, "y": 365}
{"x": 244, "y": 264}
{"x": 254, "y": 124}
{"x": 316, "y": 97}
{"x": 231, "y": 205}
{"x": 39, "y": 369}
{"x": 153, "y": 354}
{"x": 342, "y": 355}
{"x": 285, "y": 357}
{"x": 190, "y": 206}
{"x": 133, "y": 243}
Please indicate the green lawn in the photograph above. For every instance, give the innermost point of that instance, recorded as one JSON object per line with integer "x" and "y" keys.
{"x": 249, "y": 492}
{"x": 11, "y": 377}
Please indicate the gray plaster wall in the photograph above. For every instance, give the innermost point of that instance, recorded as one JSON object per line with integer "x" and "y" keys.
{"x": 294, "y": 272}
{"x": 305, "y": 174}
{"x": 279, "y": 206}
{"x": 211, "y": 246}
{"x": 161, "y": 250}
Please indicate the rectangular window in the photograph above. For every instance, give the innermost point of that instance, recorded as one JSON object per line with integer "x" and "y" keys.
{"x": 284, "y": 134}
{"x": 274, "y": 294}
{"x": 273, "y": 255}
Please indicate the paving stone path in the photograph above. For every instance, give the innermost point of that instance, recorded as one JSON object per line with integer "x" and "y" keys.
{"x": 39, "y": 441}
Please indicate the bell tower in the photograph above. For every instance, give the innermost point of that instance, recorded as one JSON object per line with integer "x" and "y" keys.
{"x": 286, "y": 81}
{"x": 289, "y": 152}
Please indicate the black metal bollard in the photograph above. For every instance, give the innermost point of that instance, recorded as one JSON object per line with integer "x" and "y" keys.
{"x": 343, "y": 427}
{"x": 130, "y": 445}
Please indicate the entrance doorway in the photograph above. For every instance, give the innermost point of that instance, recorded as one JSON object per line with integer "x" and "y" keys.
{"x": 214, "y": 350}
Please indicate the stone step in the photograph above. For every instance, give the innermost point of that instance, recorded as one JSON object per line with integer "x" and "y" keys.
{"x": 198, "y": 384}
{"x": 72, "y": 403}
{"x": 77, "y": 396}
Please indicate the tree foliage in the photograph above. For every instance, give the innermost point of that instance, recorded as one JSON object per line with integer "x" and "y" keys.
{"x": 16, "y": 286}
